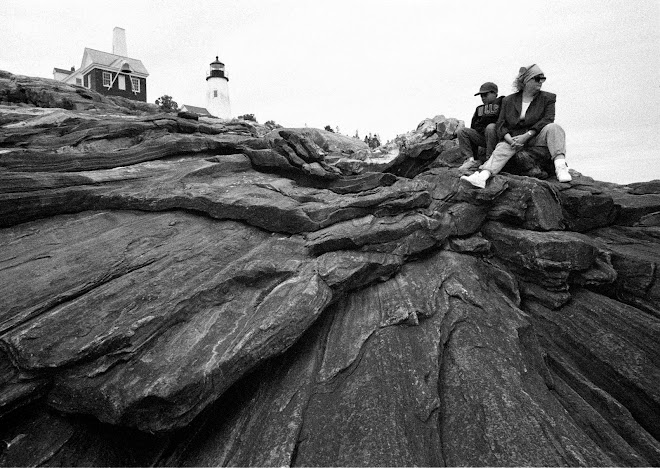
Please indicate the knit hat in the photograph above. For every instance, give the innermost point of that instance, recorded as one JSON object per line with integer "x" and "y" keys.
{"x": 527, "y": 73}
{"x": 487, "y": 87}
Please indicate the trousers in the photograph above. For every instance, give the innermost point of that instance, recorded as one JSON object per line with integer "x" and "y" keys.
{"x": 469, "y": 141}
{"x": 552, "y": 136}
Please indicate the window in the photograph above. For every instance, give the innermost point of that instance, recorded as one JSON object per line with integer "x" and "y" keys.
{"x": 215, "y": 93}
{"x": 107, "y": 79}
{"x": 121, "y": 82}
{"x": 79, "y": 81}
{"x": 135, "y": 83}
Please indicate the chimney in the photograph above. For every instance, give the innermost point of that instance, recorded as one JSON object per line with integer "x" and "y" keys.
{"x": 119, "y": 42}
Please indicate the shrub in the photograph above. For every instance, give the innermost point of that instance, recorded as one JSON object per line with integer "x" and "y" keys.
{"x": 271, "y": 124}
{"x": 166, "y": 103}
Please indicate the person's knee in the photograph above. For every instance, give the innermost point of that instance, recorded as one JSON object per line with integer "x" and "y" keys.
{"x": 554, "y": 128}
{"x": 491, "y": 129}
{"x": 464, "y": 136}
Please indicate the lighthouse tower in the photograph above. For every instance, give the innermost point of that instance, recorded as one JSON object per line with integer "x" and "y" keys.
{"x": 217, "y": 91}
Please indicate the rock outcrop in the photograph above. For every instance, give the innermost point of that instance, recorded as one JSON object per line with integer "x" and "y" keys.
{"x": 181, "y": 292}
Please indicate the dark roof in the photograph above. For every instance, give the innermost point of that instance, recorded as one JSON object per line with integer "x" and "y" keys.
{"x": 111, "y": 60}
{"x": 61, "y": 70}
{"x": 196, "y": 110}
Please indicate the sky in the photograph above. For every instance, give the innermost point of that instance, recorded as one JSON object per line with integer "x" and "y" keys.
{"x": 378, "y": 66}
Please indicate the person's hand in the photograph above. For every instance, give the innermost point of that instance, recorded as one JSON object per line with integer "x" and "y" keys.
{"x": 512, "y": 141}
{"x": 516, "y": 143}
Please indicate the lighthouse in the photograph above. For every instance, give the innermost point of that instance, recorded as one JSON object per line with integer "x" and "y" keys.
{"x": 217, "y": 91}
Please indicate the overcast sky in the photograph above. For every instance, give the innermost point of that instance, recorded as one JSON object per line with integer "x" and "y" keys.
{"x": 378, "y": 66}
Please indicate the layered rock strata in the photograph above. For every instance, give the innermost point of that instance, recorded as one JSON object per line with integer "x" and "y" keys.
{"x": 180, "y": 292}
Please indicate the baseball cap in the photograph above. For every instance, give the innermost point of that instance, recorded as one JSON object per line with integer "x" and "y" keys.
{"x": 487, "y": 87}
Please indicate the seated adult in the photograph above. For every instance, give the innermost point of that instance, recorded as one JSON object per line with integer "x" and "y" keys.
{"x": 526, "y": 120}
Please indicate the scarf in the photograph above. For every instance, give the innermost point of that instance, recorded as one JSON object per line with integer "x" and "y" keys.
{"x": 527, "y": 73}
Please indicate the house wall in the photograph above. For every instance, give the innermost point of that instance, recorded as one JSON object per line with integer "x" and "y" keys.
{"x": 95, "y": 78}
{"x": 59, "y": 76}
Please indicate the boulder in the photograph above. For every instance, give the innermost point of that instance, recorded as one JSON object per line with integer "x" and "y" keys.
{"x": 530, "y": 203}
{"x": 643, "y": 188}
{"x": 587, "y": 206}
{"x": 475, "y": 244}
{"x": 187, "y": 115}
{"x": 329, "y": 142}
{"x": 433, "y": 142}
{"x": 635, "y": 254}
{"x": 636, "y": 208}
{"x": 551, "y": 259}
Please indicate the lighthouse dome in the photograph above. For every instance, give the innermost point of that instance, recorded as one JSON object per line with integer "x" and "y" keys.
{"x": 217, "y": 70}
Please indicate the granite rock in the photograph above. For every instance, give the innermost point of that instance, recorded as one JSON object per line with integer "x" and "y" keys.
{"x": 179, "y": 292}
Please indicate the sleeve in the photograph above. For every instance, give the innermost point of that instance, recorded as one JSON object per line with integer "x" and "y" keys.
{"x": 500, "y": 101}
{"x": 474, "y": 119}
{"x": 501, "y": 125}
{"x": 548, "y": 114}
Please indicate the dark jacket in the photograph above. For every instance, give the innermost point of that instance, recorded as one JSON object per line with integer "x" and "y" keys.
{"x": 486, "y": 114}
{"x": 541, "y": 112}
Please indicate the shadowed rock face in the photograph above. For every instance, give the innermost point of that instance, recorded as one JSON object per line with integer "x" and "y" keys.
{"x": 195, "y": 292}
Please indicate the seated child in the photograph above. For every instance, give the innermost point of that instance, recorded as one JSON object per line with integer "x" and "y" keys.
{"x": 482, "y": 130}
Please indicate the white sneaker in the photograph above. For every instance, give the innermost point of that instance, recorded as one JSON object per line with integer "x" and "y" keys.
{"x": 561, "y": 169}
{"x": 478, "y": 179}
